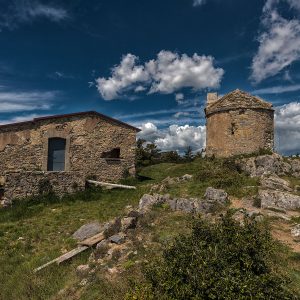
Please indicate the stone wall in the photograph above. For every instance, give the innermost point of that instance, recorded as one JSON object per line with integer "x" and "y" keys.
{"x": 239, "y": 131}
{"x": 24, "y": 148}
{"x": 22, "y": 184}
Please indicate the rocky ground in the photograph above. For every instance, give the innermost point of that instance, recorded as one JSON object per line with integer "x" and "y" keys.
{"x": 269, "y": 192}
{"x": 277, "y": 201}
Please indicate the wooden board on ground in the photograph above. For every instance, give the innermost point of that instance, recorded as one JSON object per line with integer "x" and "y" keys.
{"x": 63, "y": 257}
{"x": 93, "y": 240}
{"x": 111, "y": 185}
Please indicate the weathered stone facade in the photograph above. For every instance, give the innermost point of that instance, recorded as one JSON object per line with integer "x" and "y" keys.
{"x": 238, "y": 123}
{"x": 89, "y": 137}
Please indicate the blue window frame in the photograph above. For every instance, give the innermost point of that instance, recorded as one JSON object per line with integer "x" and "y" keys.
{"x": 56, "y": 154}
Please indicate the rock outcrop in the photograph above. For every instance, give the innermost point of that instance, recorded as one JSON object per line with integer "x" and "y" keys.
{"x": 269, "y": 164}
{"x": 274, "y": 182}
{"x": 278, "y": 199}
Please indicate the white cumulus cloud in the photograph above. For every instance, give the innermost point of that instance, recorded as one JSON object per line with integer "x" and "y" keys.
{"x": 279, "y": 43}
{"x": 287, "y": 126}
{"x": 168, "y": 73}
{"x": 180, "y": 137}
{"x": 175, "y": 137}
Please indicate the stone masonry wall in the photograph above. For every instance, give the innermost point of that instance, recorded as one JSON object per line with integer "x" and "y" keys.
{"x": 239, "y": 131}
{"x": 22, "y": 184}
{"x": 24, "y": 148}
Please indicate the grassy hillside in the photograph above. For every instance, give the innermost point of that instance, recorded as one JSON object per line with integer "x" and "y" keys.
{"x": 37, "y": 230}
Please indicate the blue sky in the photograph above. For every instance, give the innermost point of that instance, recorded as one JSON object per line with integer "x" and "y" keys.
{"x": 150, "y": 63}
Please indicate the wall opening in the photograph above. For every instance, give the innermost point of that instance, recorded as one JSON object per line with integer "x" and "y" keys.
{"x": 1, "y": 194}
{"x": 56, "y": 154}
{"x": 114, "y": 154}
{"x": 233, "y": 128}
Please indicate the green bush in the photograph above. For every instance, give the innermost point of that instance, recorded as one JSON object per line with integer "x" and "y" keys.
{"x": 220, "y": 260}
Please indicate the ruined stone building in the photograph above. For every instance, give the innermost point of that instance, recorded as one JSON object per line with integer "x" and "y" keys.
{"x": 62, "y": 151}
{"x": 238, "y": 123}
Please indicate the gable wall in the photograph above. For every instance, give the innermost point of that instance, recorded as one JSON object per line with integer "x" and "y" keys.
{"x": 24, "y": 147}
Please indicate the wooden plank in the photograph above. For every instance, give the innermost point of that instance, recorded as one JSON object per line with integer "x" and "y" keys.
{"x": 113, "y": 185}
{"x": 63, "y": 257}
{"x": 93, "y": 240}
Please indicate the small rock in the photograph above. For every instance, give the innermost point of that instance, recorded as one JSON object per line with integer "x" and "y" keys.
{"x": 83, "y": 282}
{"x": 87, "y": 230}
{"x": 118, "y": 239}
{"x": 186, "y": 177}
{"x": 295, "y": 231}
{"x": 128, "y": 223}
{"x": 112, "y": 228}
{"x": 82, "y": 270}
{"x": 216, "y": 195}
{"x": 113, "y": 271}
{"x": 101, "y": 249}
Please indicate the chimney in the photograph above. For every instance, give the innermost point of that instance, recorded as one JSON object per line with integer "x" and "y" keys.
{"x": 211, "y": 98}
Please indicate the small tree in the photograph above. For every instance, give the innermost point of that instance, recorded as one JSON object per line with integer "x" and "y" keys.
{"x": 188, "y": 154}
{"x": 221, "y": 260}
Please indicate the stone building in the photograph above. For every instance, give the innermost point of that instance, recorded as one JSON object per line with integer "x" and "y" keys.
{"x": 238, "y": 123}
{"x": 62, "y": 151}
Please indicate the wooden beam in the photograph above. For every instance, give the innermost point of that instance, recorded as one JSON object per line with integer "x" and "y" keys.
{"x": 93, "y": 240}
{"x": 63, "y": 257}
{"x": 112, "y": 185}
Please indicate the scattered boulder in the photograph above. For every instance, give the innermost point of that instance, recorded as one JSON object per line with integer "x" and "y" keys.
{"x": 86, "y": 231}
{"x": 278, "y": 199}
{"x": 101, "y": 249}
{"x": 128, "y": 223}
{"x": 274, "y": 182}
{"x": 190, "y": 205}
{"x": 295, "y": 231}
{"x": 118, "y": 238}
{"x": 216, "y": 195}
{"x": 82, "y": 270}
{"x": 112, "y": 228}
{"x": 147, "y": 201}
{"x": 160, "y": 188}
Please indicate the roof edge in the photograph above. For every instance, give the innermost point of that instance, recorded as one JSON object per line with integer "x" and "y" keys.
{"x": 78, "y": 114}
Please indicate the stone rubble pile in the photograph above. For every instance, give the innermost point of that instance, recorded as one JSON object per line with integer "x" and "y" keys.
{"x": 118, "y": 233}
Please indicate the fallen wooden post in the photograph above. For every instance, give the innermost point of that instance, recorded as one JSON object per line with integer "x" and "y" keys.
{"x": 112, "y": 185}
{"x": 93, "y": 240}
{"x": 63, "y": 257}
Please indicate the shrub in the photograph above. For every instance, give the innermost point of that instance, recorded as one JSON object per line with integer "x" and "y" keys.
{"x": 222, "y": 260}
